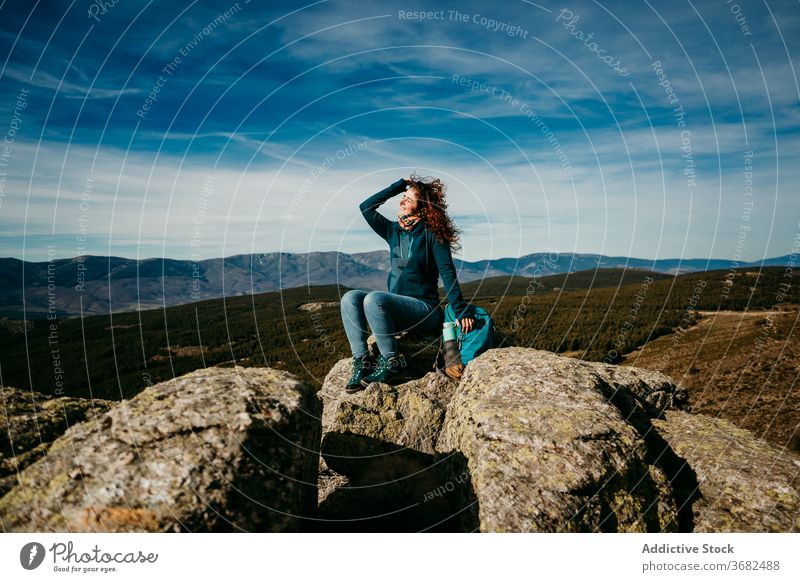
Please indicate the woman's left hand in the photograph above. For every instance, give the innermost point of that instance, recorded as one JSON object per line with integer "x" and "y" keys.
{"x": 466, "y": 324}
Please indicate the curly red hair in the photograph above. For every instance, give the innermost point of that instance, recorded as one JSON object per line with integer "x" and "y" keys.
{"x": 433, "y": 209}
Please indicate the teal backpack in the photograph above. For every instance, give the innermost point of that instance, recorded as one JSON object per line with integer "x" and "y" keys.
{"x": 480, "y": 339}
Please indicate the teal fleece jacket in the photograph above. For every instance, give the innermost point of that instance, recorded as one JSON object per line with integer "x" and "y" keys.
{"x": 417, "y": 258}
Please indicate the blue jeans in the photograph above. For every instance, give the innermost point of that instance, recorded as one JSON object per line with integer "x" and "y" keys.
{"x": 387, "y": 315}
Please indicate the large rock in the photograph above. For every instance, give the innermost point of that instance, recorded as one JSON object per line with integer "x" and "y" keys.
{"x": 220, "y": 449}
{"x": 328, "y": 481}
{"x": 745, "y": 484}
{"x": 639, "y": 390}
{"x": 390, "y": 435}
{"x": 378, "y": 447}
{"x": 532, "y": 441}
{"x": 31, "y": 421}
{"x": 545, "y": 450}
{"x": 318, "y": 305}
{"x": 409, "y": 415}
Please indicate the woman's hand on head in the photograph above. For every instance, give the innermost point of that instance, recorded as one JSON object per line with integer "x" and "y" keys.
{"x": 467, "y": 324}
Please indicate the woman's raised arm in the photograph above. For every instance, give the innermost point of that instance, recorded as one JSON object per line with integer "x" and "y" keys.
{"x": 369, "y": 208}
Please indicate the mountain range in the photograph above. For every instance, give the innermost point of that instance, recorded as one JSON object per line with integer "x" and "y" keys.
{"x": 95, "y": 284}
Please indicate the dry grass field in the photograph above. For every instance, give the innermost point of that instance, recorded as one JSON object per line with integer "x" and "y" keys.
{"x": 738, "y": 365}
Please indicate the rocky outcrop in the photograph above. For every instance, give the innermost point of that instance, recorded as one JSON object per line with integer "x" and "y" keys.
{"x": 381, "y": 445}
{"x": 744, "y": 484}
{"x": 547, "y": 452}
{"x": 31, "y": 421}
{"x": 526, "y": 441}
{"x": 220, "y": 449}
{"x": 547, "y": 435}
{"x": 408, "y": 415}
{"x": 328, "y": 481}
{"x": 378, "y": 447}
{"x": 405, "y": 415}
{"x": 318, "y": 305}
{"x": 532, "y": 441}
{"x": 636, "y": 390}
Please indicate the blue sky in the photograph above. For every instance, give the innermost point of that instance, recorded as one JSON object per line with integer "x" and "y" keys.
{"x": 206, "y": 129}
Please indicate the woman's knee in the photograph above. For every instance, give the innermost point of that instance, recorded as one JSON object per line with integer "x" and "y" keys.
{"x": 375, "y": 300}
{"x": 353, "y": 298}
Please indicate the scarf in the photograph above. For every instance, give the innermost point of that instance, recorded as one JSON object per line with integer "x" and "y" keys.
{"x": 407, "y": 221}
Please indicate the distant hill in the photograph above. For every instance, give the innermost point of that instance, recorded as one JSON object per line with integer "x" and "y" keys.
{"x": 739, "y": 365}
{"x": 586, "y": 315}
{"x": 578, "y": 280}
{"x": 96, "y": 285}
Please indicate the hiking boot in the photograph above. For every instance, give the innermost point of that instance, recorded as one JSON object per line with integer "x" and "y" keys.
{"x": 386, "y": 370}
{"x": 361, "y": 367}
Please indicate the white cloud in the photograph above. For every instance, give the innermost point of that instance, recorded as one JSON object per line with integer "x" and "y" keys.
{"x": 40, "y": 78}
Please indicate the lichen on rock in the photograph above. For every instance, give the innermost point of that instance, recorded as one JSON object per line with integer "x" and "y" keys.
{"x": 220, "y": 449}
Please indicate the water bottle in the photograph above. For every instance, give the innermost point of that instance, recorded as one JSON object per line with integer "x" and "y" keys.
{"x": 453, "y": 366}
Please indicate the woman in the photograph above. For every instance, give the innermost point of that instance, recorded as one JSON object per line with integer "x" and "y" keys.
{"x": 420, "y": 245}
